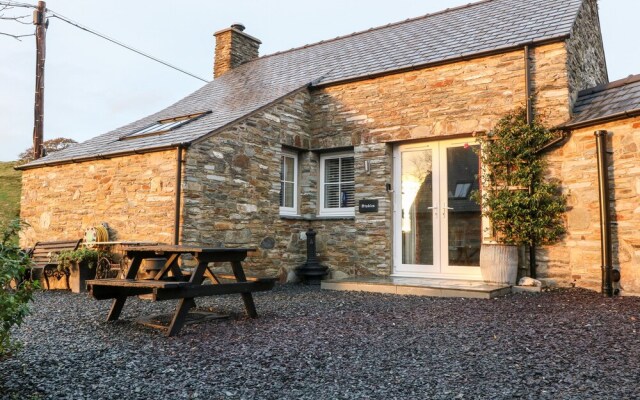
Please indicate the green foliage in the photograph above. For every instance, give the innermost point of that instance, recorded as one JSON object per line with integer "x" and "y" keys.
{"x": 10, "y": 185}
{"x": 82, "y": 255}
{"x": 15, "y": 293}
{"x": 513, "y": 166}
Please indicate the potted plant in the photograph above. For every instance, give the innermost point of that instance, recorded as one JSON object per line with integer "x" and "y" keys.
{"x": 80, "y": 265}
{"x": 523, "y": 207}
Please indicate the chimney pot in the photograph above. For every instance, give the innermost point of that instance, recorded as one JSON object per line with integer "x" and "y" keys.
{"x": 238, "y": 26}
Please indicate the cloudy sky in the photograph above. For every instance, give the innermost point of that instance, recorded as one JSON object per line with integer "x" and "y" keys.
{"x": 93, "y": 86}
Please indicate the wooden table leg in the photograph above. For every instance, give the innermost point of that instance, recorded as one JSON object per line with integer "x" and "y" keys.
{"x": 185, "y": 304}
{"x": 133, "y": 268}
{"x": 168, "y": 265}
{"x": 118, "y": 303}
{"x": 116, "y": 308}
{"x": 214, "y": 280}
{"x": 180, "y": 316}
{"x": 249, "y": 305}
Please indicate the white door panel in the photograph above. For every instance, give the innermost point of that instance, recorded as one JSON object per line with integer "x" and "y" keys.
{"x": 437, "y": 227}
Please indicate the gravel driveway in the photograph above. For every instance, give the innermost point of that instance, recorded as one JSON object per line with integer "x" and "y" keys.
{"x": 313, "y": 344}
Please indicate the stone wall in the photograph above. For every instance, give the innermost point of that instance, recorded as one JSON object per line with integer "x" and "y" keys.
{"x": 135, "y": 195}
{"x": 586, "y": 61}
{"x": 232, "y": 186}
{"x": 373, "y": 231}
{"x": 456, "y": 98}
{"x": 549, "y": 84}
{"x": 577, "y": 259}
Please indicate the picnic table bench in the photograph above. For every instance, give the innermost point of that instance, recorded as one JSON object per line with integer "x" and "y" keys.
{"x": 171, "y": 282}
{"x": 45, "y": 264}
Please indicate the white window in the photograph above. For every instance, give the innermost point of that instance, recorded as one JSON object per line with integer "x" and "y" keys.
{"x": 337, "y": 186}
{"x": 289, "y": 183}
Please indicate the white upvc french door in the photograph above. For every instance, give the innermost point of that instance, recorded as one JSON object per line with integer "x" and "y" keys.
{"x": 437, "y": 227}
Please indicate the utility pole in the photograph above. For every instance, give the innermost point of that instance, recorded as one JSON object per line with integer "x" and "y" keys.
{"x": 41, "y": 22}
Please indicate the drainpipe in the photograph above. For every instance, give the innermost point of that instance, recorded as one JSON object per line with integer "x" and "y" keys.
{"x": 176, "y": 224}
{"x": 605, "y": 215}
{"x": 527, "y": 83}
{"x": 527, "y": 80}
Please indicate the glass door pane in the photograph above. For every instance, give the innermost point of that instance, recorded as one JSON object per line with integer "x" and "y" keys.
{"x": 464, "y": 228}
{"x": 417, "y": 209}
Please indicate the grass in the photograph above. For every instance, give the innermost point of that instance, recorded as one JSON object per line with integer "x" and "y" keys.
{"x": 10, "y": 187}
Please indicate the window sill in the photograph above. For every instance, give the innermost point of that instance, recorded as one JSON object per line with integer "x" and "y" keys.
{"x": 318, "y": 217}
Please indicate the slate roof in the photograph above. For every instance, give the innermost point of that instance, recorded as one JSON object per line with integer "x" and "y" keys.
{"x": 616, "y": 99}
{"x": 486, "y": 26}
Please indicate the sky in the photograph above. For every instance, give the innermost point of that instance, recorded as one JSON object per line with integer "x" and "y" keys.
{"x": 93, "y": 86}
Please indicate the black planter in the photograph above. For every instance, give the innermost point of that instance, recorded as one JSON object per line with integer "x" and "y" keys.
{"x": 79, "y": 274}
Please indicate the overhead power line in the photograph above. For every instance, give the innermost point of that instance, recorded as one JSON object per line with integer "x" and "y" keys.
{"x": 84, "y": 28}
{"x": 103, "y": 36}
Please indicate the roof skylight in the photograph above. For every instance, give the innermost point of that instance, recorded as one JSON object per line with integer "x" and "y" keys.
{"x": 164, "y": 125}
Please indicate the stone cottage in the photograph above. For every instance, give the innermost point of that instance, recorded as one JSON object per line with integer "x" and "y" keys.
{"x": 366, "y": 138}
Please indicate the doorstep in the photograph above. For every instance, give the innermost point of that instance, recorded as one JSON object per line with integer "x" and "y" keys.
{"x": 420, "y": 287}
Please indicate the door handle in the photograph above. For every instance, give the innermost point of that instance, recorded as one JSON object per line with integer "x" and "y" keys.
{"x": 432, "y": 208}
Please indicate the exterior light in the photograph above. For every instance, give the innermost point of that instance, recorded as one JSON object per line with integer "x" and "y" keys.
{"x": 367, "y": 166}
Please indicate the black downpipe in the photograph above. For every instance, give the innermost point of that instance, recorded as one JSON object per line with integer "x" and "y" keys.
{"x": 176, "y": 224}
{"x": 605, "y": 214}
{"x": 527, "y": 82}
{"x": 527, "y": 78}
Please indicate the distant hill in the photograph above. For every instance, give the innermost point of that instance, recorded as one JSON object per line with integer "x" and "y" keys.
{"x": 10, "y": 186}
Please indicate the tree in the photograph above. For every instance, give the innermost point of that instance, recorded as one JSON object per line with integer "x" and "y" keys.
{"x": 6, "y": 14}
{"x": 50, "y": 146}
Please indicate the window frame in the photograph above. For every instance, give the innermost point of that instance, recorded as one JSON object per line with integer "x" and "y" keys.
{"x": 163, "y": 126}
{"x": 292, "y": 211}
{"x": 334, "y": 211}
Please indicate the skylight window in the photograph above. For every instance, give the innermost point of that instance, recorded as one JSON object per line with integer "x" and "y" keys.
{"x": 164, "y": 126}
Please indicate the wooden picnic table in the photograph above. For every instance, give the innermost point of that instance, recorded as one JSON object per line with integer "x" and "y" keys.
{"x": 171, "y": 282}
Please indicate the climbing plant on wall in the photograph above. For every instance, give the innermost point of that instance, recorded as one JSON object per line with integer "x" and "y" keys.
{"x": 524, "y": 207}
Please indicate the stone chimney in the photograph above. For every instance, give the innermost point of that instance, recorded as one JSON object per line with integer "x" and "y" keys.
{"x": 233, "y": 48}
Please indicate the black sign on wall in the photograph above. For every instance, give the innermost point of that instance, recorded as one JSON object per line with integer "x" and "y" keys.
{"x": 367, "y": 206}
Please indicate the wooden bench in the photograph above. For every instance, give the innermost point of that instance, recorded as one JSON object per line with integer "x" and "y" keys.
{"x": 170, "y": 290}
{"x": 45, "y": 264}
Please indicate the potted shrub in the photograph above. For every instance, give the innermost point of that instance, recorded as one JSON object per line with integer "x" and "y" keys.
{"x": 80, "y": 265}
{"x": 523, "y": 207}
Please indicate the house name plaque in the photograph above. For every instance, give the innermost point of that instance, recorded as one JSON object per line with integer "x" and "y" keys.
{"x": 367, "y": 206}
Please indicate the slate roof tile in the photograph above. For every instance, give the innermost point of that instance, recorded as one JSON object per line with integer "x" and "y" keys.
{"x": 475, "y": 28}
{"x": 615, "y": 98}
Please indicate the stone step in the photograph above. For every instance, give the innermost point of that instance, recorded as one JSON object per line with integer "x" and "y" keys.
{"x": 419, "y": 287}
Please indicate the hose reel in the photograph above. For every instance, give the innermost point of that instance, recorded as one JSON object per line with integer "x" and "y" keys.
{"x": 96, "y": 234}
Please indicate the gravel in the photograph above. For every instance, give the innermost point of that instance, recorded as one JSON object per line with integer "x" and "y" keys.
{"x": 316, "y": 344}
